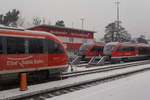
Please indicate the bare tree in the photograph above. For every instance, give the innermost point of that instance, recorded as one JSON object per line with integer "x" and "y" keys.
{"x": 10, "y": 18}
{"x": 21, "y": 21}
{"x": 37, "y": 21}
{"x": 60, "y": 23}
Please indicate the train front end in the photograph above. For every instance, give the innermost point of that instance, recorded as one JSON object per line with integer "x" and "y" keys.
{"x": 83, "y": 51}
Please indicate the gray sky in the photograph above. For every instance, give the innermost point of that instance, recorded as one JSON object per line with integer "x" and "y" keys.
{"x": 134, "y": 14}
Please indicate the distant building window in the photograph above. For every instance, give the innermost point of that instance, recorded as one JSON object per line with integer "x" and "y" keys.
{"x": 84, "y": 40}
{"x": 71, "y": 40}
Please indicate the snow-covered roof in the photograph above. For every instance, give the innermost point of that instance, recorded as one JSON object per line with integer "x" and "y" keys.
{"x": 112, "y": 43}
{"x": 68, "y": 28}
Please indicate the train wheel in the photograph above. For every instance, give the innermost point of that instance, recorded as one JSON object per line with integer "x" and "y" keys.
{"x": 38, "y": 76}
{"x": 43, "y": 75}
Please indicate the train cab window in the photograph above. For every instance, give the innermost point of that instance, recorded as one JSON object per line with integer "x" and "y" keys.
{"x": 36, "y": 46}
{"x": 84, "y": 47}
{"x": 54, "y": 47}
{"x": 58, "y": 48}
{"x": 97, "y": 48}
{"x": 15, "y": 45}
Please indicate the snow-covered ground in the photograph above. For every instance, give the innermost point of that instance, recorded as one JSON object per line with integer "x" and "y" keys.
{"x": 60, "y": 83}
{"x": 136, "y": 87}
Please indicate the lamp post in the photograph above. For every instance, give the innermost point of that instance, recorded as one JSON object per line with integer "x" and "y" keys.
{"x": 117, "y": 8}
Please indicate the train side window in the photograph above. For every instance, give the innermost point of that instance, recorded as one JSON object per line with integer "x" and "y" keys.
{"x": 131, "y": 48}
{"x": 1, "y": 46}
{"x": 36, "y": 45}
{"x": 126, "y": 48}
{"x": 50, "y": 45}
{"x": 15, "y": 45}
{"x": 143, "y": 50}
{"x": 122, "y": 48}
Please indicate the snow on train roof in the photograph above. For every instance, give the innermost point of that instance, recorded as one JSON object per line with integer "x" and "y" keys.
{"x": 112, "y": 43}
{"x": 40, "y": 32}
{"x": 127, "y": 43}
{"x": 2, "y": 27}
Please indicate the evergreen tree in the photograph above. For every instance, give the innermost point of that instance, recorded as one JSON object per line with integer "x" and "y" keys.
{"x": 113, "y": 34}
{"x": 142, "y": 39}
{"x": 10, "y": 18}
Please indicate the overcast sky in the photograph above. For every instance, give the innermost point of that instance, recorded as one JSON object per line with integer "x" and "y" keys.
{"x": 134, "y": 14}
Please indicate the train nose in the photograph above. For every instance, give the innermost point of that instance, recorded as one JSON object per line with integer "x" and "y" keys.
{"x": 82, "y": 52}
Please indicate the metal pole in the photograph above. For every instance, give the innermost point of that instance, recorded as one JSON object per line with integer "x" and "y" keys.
{"x": 82, "y": 22}
{"x": 117, "y": 3}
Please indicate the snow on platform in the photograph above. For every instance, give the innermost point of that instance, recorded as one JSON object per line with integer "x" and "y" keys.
{"x": 56, "y": 84}
{"x": 136, "y": 87}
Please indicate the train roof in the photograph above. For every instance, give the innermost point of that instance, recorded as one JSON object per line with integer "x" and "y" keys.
{"x": 27, "y": 32}
{"x": 127, "y": 43}
{"x": 94, "y": 44}
{"x": 112, "y": 43}
{"x": 65, "y": 28}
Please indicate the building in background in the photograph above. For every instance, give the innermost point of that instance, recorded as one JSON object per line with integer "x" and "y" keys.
{"x": 71, "y": 37}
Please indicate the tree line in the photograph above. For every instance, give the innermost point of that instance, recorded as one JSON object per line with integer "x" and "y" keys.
{"x": 13, "y": 18}
{"x": 113, "y": 31}
{"x": 117, "y": 33}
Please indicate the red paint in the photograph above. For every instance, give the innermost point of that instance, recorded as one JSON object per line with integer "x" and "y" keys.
{"x": 91, "y": 54}
{"x": 64, "y": 31}
{"x": 35, "y": 61}
{"x": 73, "y": 45}
{"x": 117, "y": 53}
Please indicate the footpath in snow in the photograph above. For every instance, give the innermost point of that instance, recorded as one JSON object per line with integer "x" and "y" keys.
{"x": 136, "y": 87}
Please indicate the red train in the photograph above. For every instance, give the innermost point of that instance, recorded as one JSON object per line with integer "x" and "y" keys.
{"x": 126, "y": 51}
{"x": 87, "y": 51}
{"x": 33, "y": 52}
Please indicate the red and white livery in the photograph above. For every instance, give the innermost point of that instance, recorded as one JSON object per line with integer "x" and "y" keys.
{"x": 30, "y": 51}
{"x": 87, "y": 51}
{"x": 126, "y": 51}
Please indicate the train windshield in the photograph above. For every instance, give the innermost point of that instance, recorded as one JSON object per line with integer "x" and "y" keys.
{"x": 83, "y": 49}
{"x": 98, "y": 49}
{"x": 108, "y": 49}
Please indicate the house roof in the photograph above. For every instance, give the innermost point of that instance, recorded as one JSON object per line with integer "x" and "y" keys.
{"x": 61, "y": 27}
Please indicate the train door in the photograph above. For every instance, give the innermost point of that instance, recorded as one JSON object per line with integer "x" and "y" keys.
{"x": 1, "y": 52}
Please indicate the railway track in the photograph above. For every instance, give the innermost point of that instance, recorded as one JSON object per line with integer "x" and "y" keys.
{"x": 104, "y": 69}
{"x": 49, "y": 93}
